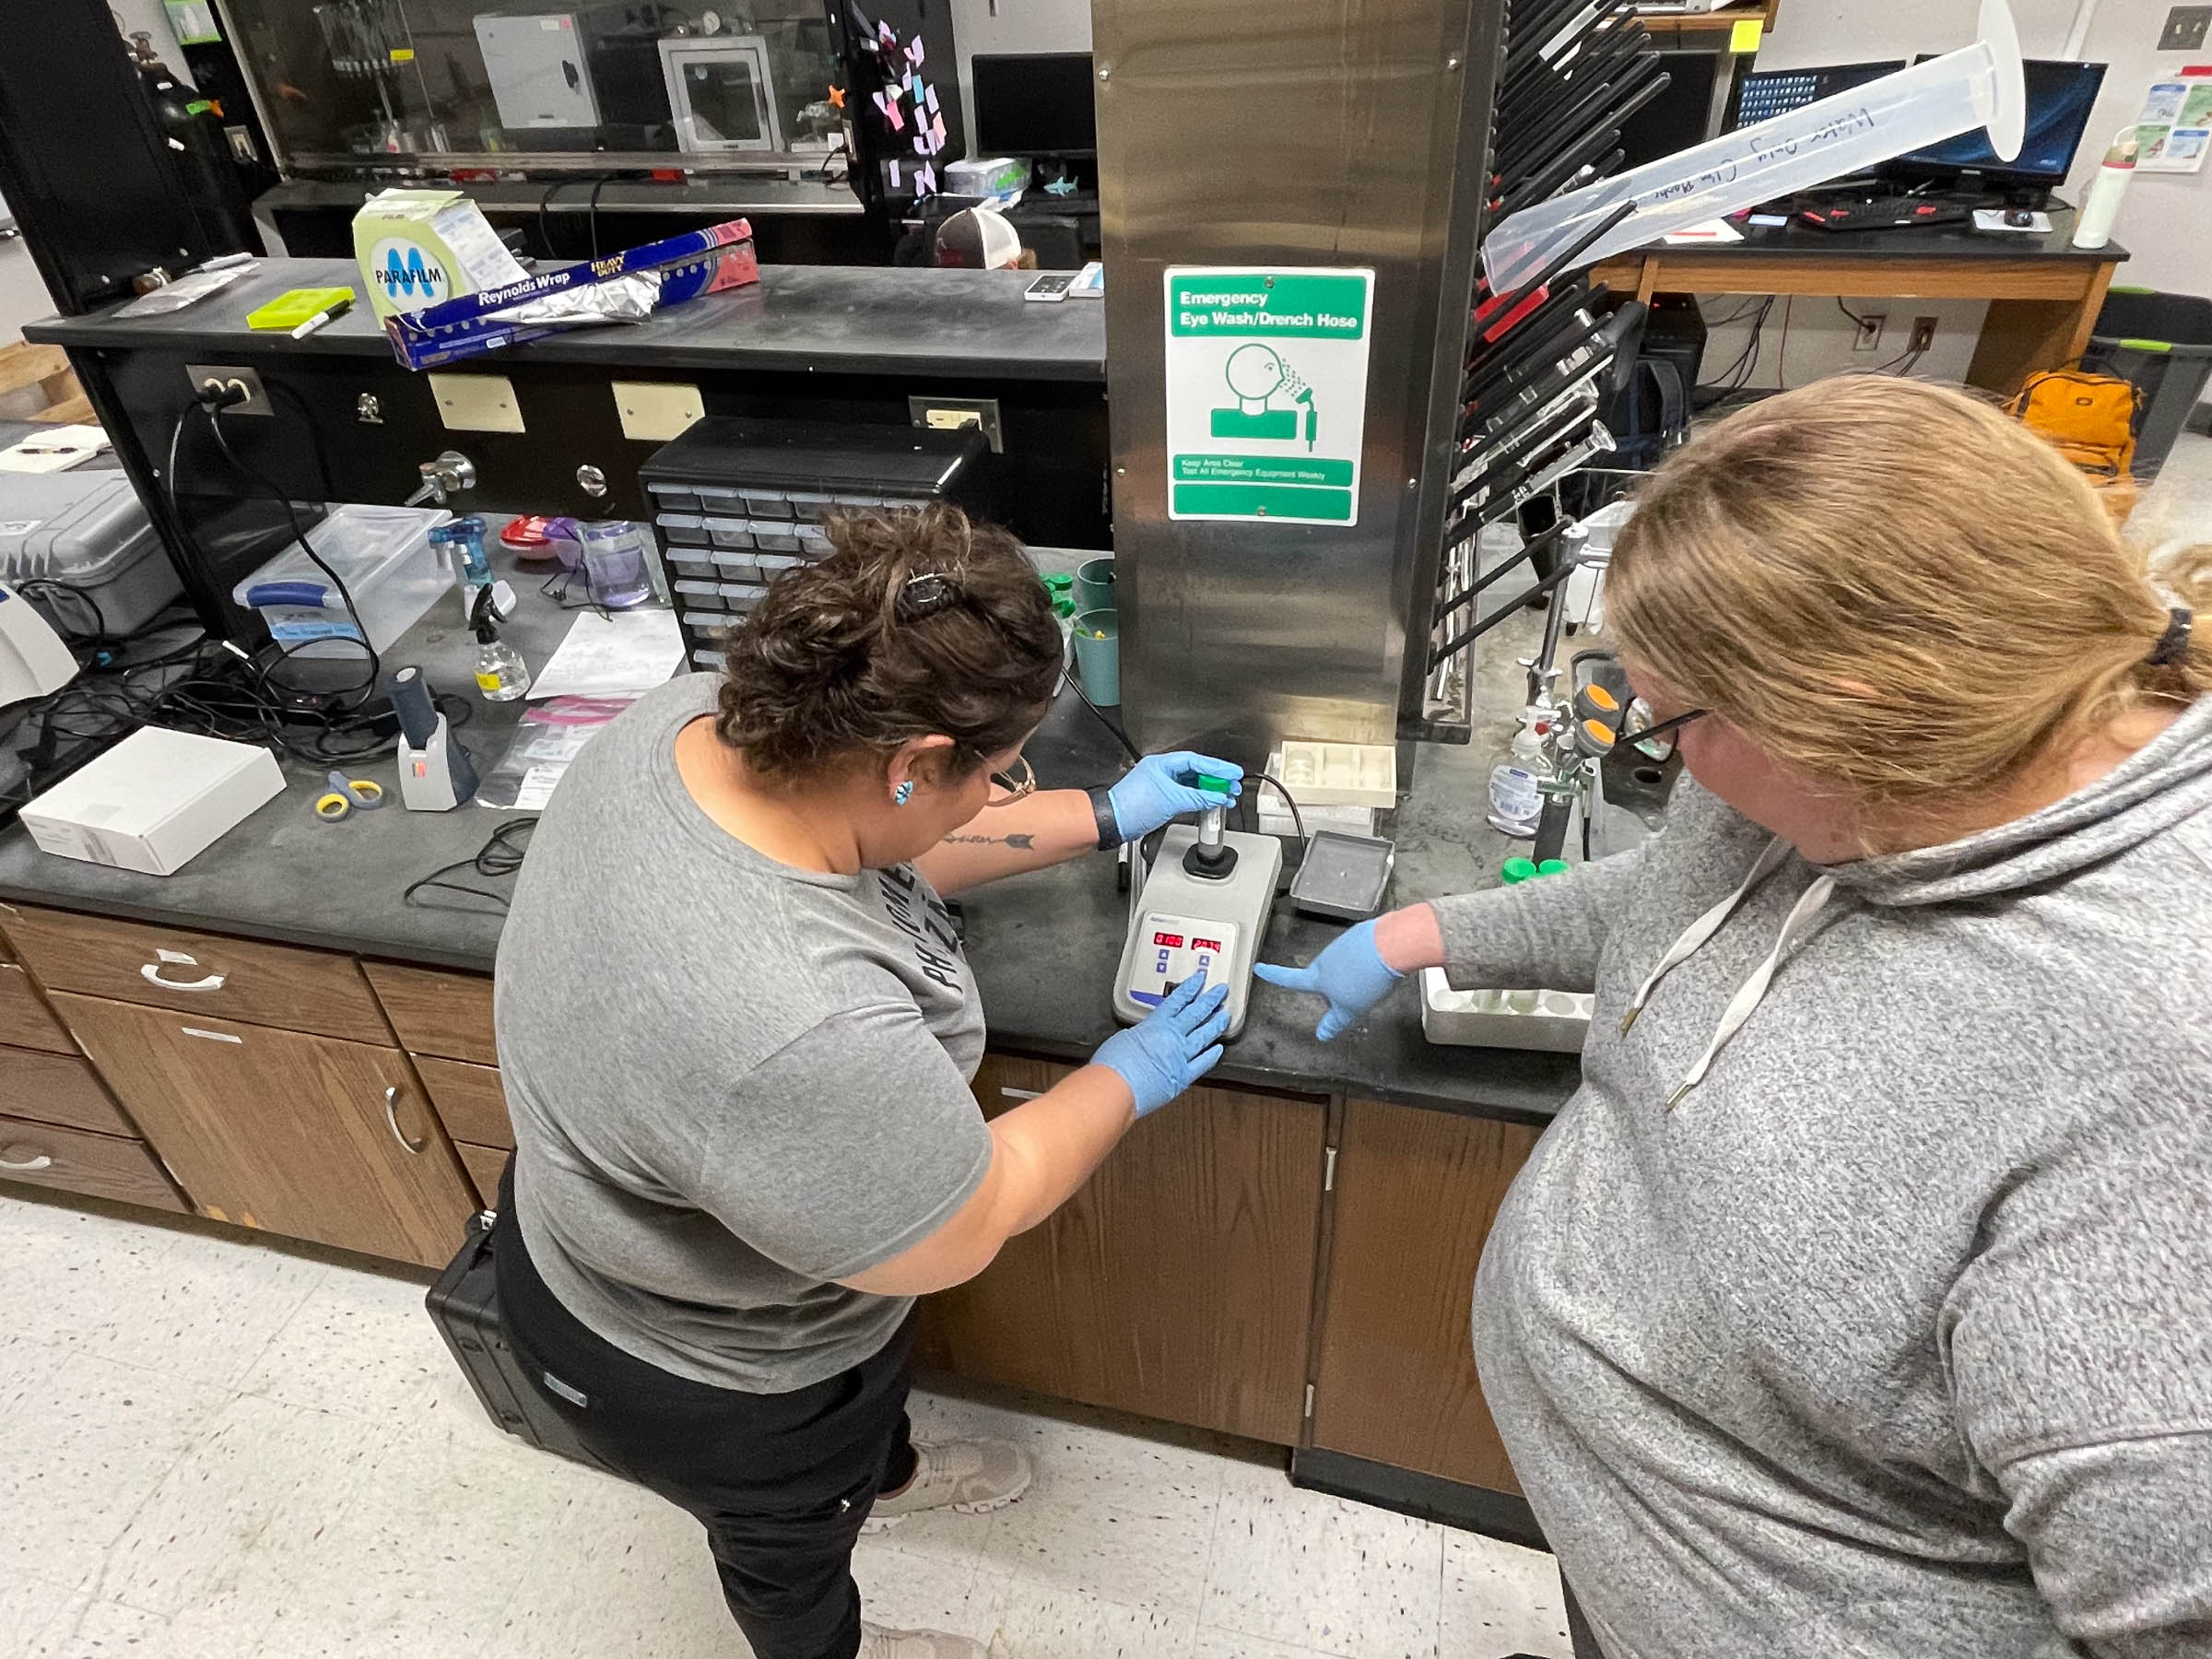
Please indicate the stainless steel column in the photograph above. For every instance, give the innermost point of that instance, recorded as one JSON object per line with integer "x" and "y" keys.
{"x": 1293, "y": 132}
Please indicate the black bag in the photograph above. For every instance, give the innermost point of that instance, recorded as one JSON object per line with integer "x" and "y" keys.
{"x": 464, "y": 1304}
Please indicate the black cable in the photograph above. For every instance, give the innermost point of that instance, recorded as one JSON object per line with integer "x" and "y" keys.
{"x": 545, "y": 225}
{"x": 500, "y": 856}
{"x": 1069, "y": 680}
{"x": 376, "y": 664}
{"x": 1297, "y": 818}
{"x": 1862, "y": 322}
{"x": 591, "y": 208}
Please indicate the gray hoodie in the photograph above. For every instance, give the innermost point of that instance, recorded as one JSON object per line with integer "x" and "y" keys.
{"x": 1893, "y": 1335}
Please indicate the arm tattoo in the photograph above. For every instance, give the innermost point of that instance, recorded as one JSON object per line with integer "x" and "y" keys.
{"x": 1020, "y": 842}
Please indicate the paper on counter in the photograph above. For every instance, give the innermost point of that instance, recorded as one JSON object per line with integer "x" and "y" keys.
{"x": 1710, "y": 232}
{"x": 54, "y": 449}
{"x": 608, "y": 655}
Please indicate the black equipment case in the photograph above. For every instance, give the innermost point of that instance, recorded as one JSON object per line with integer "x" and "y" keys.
{"x": 464, "y": 1304}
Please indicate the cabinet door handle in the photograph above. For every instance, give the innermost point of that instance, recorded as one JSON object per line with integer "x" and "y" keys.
{"x": 151, "y": 973}
{"x": 1022, "y": 1094}
{"x": 38, "y": 1160}
{"x": 414, "y": 1147}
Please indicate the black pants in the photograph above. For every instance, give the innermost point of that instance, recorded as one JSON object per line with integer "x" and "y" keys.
{"x": 781, "y": 1482}
{"x": 1578, "y": 1627}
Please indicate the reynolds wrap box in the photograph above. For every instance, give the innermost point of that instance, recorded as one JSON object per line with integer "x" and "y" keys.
{"x": 623, "y": 287}
{"x": 421, "y": 247}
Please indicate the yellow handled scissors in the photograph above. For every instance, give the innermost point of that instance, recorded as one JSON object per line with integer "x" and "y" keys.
{"x": 346, "y": 794}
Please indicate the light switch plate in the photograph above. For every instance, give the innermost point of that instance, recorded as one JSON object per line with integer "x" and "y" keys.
{"x": 653, "y": 412}
{"x": 2186, "y": 28}
{"x": 476, "y": 403}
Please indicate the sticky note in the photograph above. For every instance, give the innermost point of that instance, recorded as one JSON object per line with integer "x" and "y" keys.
{"x": 917, "y": 52}
{"x": 402, "y": 54}
{"x": 936, "y": 133}
{"x": 932, "y": 99}
{"x": 925, "y": 182}
{"x": 1744, "y": 36}
{"x": 894, "y": 175}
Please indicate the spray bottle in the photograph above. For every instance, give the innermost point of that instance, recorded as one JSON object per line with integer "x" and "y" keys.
{"x": 2100, "y": 212}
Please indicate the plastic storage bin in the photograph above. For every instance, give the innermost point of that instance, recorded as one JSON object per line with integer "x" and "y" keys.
{"x": 89, "y": 532}
{"x": 386, "y": 559}
{"x": 2162, "y": 343}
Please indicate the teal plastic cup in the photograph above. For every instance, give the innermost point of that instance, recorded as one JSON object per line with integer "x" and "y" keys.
{"x": 1099, "y": 656}
{"x": 1094, "y": 587}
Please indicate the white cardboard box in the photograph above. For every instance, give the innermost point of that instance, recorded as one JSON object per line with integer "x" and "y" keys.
{"x": 154, "y": 802}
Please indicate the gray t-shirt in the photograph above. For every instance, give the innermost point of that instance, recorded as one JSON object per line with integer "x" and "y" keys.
{"x": 733, "y": 1082}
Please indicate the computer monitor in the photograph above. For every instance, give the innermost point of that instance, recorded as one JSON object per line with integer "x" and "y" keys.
{"x": 1034, "y": 103}
{"x": 1762, "y": 94}
{"x": 2059, "y": 99}
{"x": 1679, "y": 118}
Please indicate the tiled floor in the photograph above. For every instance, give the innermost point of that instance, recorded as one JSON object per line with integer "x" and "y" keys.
{"x": 216, "y": 1449}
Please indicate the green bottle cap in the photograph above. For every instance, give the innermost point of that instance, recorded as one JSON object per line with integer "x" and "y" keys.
{"x": 1208, "y": 784}
{"x": 1058, "y": 584}
{"x": 1552, "y": 867}
{"x": 1518, "y": 870}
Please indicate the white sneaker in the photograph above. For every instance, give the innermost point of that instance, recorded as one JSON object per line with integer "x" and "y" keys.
{"x": 969, "y": 1478}
{"x": 878, "y": 1643}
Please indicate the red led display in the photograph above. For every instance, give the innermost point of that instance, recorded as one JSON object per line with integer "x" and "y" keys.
{"x": 1169, "y": 941}
{"x": 1206, "y": 945}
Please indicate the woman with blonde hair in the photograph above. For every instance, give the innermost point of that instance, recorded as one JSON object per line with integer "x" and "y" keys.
{"x": 1860, "y": 1302}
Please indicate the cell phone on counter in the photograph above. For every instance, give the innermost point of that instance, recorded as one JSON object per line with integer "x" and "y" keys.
{"x": 1049, "y": 289}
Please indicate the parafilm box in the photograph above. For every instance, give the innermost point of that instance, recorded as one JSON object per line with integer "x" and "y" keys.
{"x": 419, "y": 248}
{"x": 698, "y": 262}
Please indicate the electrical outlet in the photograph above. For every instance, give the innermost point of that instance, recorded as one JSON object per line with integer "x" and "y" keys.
{"x": 226, "y": 376}
{"x": 1923, "y": 333}
{"x": 1870, "y": 334}
{"x": 953, "y": 414}
{"x": 2186, "y": 28}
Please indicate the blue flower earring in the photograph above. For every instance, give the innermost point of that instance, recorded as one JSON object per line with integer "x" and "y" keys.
{"x": 903, "y": 793}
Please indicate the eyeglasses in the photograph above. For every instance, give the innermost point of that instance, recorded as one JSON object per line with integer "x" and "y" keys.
{"x": 1017, "y": 781}
{"x": 1671, "y": 730}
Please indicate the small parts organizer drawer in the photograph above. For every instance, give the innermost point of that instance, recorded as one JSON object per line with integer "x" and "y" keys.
{"x": 199, "y": 974}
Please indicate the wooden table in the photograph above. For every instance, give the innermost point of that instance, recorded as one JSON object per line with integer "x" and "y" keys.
{"x": 2044, "y": 293}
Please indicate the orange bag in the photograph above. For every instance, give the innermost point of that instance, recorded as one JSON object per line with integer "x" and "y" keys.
{"x": 2091, "y": 418}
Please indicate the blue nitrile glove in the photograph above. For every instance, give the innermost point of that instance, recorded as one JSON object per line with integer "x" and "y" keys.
{"x": 1351, "y": 973}
{"x": 1178, "y": 1043}
{"x": 1154, "y": 793}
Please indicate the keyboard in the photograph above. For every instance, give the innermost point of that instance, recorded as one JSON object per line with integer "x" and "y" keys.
{"x": 1769, "y": 95}
{"x": 1883, "y": 213}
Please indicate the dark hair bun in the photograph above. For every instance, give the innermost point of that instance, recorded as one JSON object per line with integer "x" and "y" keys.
{"x": 853, "y": 653}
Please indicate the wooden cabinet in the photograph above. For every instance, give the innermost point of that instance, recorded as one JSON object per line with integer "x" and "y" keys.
{"x": 312, "y": 1136}
{"x": 24, "y": 1021}
{"x": 199, "y": 974}
{"x": 58, "y": 1088}
{"x": 106, "y": 1166}
{"x": 470, "y": 1101}
{"x": 435, "y": 1012}
{"x": 1416, "y": 1191}
{"x": 1177, "y": 1284}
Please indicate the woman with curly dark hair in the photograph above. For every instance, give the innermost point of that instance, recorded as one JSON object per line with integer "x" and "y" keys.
{"x": 736, "y": 1030}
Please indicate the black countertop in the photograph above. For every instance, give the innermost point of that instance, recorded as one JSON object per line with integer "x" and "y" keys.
{"x": 840, "y": 319}
{"x": 1045, "y": 945}
{"x": 1953, "y": 241}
